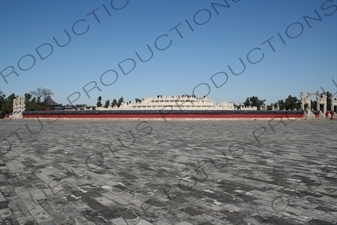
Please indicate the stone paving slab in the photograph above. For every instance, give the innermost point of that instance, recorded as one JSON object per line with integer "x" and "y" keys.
{"x": 175, "y": 172}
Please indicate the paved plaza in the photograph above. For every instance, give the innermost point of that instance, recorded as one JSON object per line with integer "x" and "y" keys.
{"x": 174, "y": 172}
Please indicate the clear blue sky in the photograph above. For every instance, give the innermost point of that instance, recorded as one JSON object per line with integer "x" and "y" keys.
{"x": 306, "y": 62}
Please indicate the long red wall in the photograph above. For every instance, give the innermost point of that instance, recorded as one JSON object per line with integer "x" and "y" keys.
{"x": 166, "y": 116}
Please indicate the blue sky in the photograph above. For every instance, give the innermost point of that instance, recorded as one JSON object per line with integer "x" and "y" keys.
{"x": 116, "y": 30}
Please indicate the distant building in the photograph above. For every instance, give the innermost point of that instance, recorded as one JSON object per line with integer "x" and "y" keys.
{"x": 183, "y": 102}
{"x": 51, "y": 104}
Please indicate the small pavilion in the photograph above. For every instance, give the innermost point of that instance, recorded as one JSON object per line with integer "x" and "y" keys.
{"x": 51, "y": 104}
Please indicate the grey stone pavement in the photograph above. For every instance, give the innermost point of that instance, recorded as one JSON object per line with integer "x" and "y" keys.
{"x": 175, "y": 172}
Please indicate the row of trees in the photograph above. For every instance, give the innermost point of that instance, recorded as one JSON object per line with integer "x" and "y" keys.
{"x": 290, "y": 103}
{"x": 254, "y": 101}
{"x": 34, "y": 101}
{"x": 6, "y": 104}
{"x": 107, "y": 102}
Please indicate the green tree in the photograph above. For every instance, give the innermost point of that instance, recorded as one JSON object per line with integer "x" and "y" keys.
{"x": 314, "y": 105}
{"x": 254, "y": 101}
{"x": 32, "y": 104}
{"x": 247, "y": 102}
{"x": 107, "y": 103}
{"x": 269, "y": 107}
{"x": 291, "y": 103}
{"x": 114, "y": 103}
{"x": 99, "y": 101}
{"x": 7, "y": 106}
{"x": 2, "y": 102}
{"x": 120, "y": 101}
{"x": 281, "y": 104}
{"x": 261, "y": 103}
{"x": 329, "y": 99}
{"x": 28, "y": 102}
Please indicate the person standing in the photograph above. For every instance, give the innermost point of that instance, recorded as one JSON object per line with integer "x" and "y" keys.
{"x": 327, "y": 114}
{"x": 332, "y": 115}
